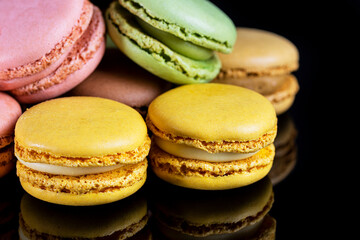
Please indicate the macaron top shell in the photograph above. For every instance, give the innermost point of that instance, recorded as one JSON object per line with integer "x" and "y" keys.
{"x": 10, "y": 111}
{"x": 213, "y": 112}
{"x": 257, "y": 49}
{"x": 30, "y": 29}
{"x": 199, "y": 22}
{"x": 80, "y": 127}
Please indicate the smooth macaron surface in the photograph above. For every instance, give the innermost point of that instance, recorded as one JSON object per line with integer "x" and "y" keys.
{"x": 96, "y": 126}
{"x": 258, "y": 51}
{"x": 213, "y": 112}
{"x": 199, "y": 22}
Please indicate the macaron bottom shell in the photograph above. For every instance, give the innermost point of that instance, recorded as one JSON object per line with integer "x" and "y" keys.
{"x": 197, "y": 174}
{"x": 84, "y": 190}
{"x": 82, "y": 200}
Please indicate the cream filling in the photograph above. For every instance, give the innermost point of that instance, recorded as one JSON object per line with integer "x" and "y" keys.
{"x": 68, "y": 171}
{"x": 185, "y": 151}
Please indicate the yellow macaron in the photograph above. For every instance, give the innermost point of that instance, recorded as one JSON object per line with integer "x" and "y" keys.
{"x": 81, "y": 150}
{"x": 262, "y": 61}
{"x": 212, "y": 136}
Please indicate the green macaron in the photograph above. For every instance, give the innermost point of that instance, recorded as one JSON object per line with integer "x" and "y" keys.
{"x": 174, "y": 40}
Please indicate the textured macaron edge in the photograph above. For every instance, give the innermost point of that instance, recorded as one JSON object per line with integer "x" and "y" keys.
{"x": 56, "y": 52}
{"x": 89, "y": 199}
{"x": 216, "y": 146}
{"x": 199, "y": 174}
{"x": 92, "y": 189}
{"x": 182, "y": 32}
{"x": 257, "y": 71}
{"x": 34, "y": 156}
{"x": 157, "y": 58}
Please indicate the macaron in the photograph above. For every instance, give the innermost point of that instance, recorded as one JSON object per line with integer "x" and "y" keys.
{"x": 10, "y": 111}
{"x": 211, "y": 136}
{"x": 120, "y": 79}
{"x": 120, "y": 220}
{"x": 48, "y": 47}
{"x": 240, "y": 213}
{"x": 81, "y": 150}
{"x": 174, "y": 40}
{"x": 263, "y": 61}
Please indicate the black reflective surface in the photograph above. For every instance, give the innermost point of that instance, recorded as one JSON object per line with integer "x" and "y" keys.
{"x": 304, "y": 185}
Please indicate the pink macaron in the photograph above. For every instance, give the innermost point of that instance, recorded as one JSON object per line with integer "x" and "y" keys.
{"x": 10, "y": 111}
{"x": 120, "y": 79}
{"x": 48, "y": 47}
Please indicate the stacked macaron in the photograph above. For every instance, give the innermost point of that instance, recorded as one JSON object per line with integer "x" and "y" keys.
{"x": 212, "y": 136}
{"x": 172, "y": 39}
{"x": 81, "y": 150}
{"x": 10, "y": 111}
{"x": 48, "y": 47}
{"x": 263, "y": 61}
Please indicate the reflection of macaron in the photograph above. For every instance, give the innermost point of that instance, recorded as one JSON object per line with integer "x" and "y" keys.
{"x": 286, "y": 149}
{"x": 262, "y": 61}
{"x": 212, "y": 136}
{"x": 10, "y": 111}
{"x": 81, "y": 150}
{"x": 64, "y": 44}
{"x": 121, "y": 220}
{"x": 232, "y": 214}
{"x": 120, "y": 79}
{"x": 172, "y": 39}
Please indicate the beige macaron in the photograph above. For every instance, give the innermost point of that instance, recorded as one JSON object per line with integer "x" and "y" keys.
{"x": 262, "y": 61}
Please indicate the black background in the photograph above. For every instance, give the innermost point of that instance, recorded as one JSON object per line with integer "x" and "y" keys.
{"x": 317, "y": 199}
